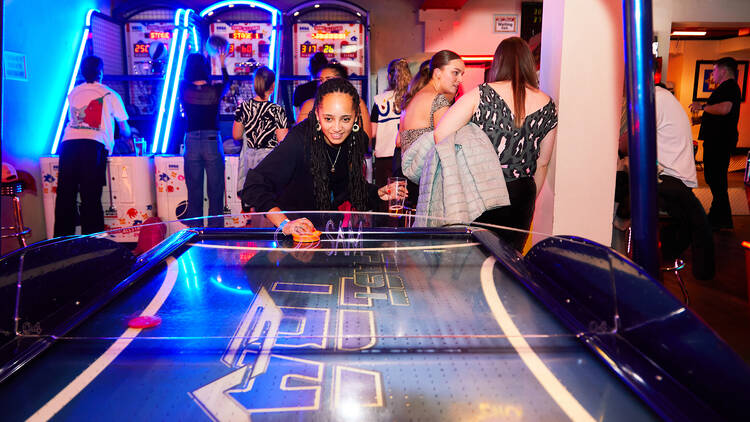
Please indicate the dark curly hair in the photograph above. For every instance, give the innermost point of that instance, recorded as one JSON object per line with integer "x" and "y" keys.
{"x": 197, "y": 68}
{"x": 356, "y": 142}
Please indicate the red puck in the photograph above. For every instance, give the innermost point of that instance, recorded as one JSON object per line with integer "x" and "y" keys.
{"x": 144, "y": 321}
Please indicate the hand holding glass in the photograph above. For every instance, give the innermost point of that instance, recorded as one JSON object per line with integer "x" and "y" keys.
{"x": 396, "y": 193}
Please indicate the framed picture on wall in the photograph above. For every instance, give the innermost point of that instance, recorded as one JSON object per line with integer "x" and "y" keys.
{"x": 704, "y": 84}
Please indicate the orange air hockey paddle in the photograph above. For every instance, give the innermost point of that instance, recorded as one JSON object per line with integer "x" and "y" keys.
{"x": 307, "y": 238}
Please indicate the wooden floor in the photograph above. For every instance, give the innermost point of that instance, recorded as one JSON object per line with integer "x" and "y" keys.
{"x": 723, "y": 301}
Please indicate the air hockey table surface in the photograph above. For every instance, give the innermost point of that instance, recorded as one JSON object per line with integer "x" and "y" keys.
{"x": 367, "y": 324}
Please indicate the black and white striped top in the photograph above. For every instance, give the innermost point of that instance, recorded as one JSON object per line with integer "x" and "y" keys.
{"x": 260, "y": 119}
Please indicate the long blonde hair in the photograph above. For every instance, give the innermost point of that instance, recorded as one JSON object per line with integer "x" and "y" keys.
{"x": 399, "y": 77}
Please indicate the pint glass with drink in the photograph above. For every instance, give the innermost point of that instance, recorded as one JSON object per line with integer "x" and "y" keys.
{"x": 396, "y": 202}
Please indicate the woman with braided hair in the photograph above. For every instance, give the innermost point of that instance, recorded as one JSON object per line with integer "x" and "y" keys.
{"x": 330, "y": 71}
{"x": 319, "y": 164}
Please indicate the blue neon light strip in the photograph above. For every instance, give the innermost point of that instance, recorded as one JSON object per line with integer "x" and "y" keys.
{"x": 176, "y": 80}
{"x": 73, "y": 78}
{"x": 275, "y": 14}
{"x": 195, "y": 41}
{"x": 277, "y": 54}
{"x": 165, "y": 88}
{"x": 270, "y": 9}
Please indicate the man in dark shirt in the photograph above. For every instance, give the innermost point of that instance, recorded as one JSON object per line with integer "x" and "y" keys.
{"x": 719, "y": 133}
{"x": 203, "y": 147}
{"x": 307, "y": 90}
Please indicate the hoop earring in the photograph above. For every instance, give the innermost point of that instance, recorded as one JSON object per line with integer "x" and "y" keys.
{"x": 317, "y": 126}
{"x": 355, "y": 127}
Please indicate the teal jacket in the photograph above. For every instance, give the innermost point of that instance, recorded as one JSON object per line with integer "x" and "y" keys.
{"x": 459, "y": 178}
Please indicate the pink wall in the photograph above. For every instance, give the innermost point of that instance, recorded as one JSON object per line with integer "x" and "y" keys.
{"x": 469, "y": 30}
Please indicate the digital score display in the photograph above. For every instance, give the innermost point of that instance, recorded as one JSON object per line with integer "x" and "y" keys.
{"x": 237, "y": 35}
{"x": 158, "y": 35}
{"x": 140, "y": 49}
{"x": 306, "y": 50}
{"x": 245, "y": 50}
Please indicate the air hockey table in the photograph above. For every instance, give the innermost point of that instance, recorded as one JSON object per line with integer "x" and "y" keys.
{"x": 370, "y": 323}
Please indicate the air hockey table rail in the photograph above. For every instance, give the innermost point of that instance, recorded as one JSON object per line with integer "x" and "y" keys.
{"x": 373, "y": 322}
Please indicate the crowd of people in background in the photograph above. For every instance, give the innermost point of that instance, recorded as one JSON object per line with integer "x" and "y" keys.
{"x": 318, "y": 163}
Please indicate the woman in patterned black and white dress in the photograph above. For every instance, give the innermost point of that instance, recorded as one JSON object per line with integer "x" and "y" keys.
{"x": 260, "y": 124}
{"x": 521, "y": 122}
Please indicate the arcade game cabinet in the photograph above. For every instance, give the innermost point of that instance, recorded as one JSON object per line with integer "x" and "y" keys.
{"x": 137, "y": 47}
{"x": 253, "y": 32}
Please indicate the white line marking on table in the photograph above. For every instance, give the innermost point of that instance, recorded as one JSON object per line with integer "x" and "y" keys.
{"x": 551, "y": 384}
{"x": 303, "y": 249}
{"x": 68, "y": 393}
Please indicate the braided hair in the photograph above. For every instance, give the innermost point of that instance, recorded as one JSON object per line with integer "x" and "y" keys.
{"x": 356, "y": 142}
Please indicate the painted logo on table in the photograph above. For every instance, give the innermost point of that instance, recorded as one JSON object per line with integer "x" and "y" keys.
{"x": 263, "y": 379}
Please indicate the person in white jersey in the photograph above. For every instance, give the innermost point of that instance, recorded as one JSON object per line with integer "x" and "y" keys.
{"x": 677, "y": 177}
{"x": 86, "y": 142}
{"x": 385, "y": 116}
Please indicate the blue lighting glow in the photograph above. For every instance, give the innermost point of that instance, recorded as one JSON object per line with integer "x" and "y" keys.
{"x": 73, "y": 78}
{"x": 272, "y": 10}
{"x": 176, "y": 80}
{"x": 276, "y": 53}
{"x": 238, "y": 290}
{"x": 195, "y": 41}
{"x": 177, "y": 17}
{"x": 195, "y": 273}
{"x": 165, "y": 89}
{"x": 184, "y": 271}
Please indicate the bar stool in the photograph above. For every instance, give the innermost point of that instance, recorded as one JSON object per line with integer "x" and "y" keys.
{"x": 677, "y": 267}
{"x": 19, "y": 231}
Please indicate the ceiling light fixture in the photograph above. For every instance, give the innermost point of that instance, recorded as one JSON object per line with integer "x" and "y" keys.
{"x": 689, "y": 33}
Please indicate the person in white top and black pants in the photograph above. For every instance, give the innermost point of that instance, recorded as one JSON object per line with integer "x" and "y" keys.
{"x": 677, "y": 177}
{"x": 385, "y": 116}
{"x": 86, "y": 142}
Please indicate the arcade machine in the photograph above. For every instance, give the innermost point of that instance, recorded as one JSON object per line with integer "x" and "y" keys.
{"x": 137, "y": 49}
{"x": 340, "y": 30}
{"x": 252, "y": 30}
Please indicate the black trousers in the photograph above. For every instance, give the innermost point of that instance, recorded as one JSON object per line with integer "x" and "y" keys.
{"x": 716, "y": 154}
{"x": 82, "y": 169}
{"x": 688, "y": 227}
{"x": 518, "y": 214}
